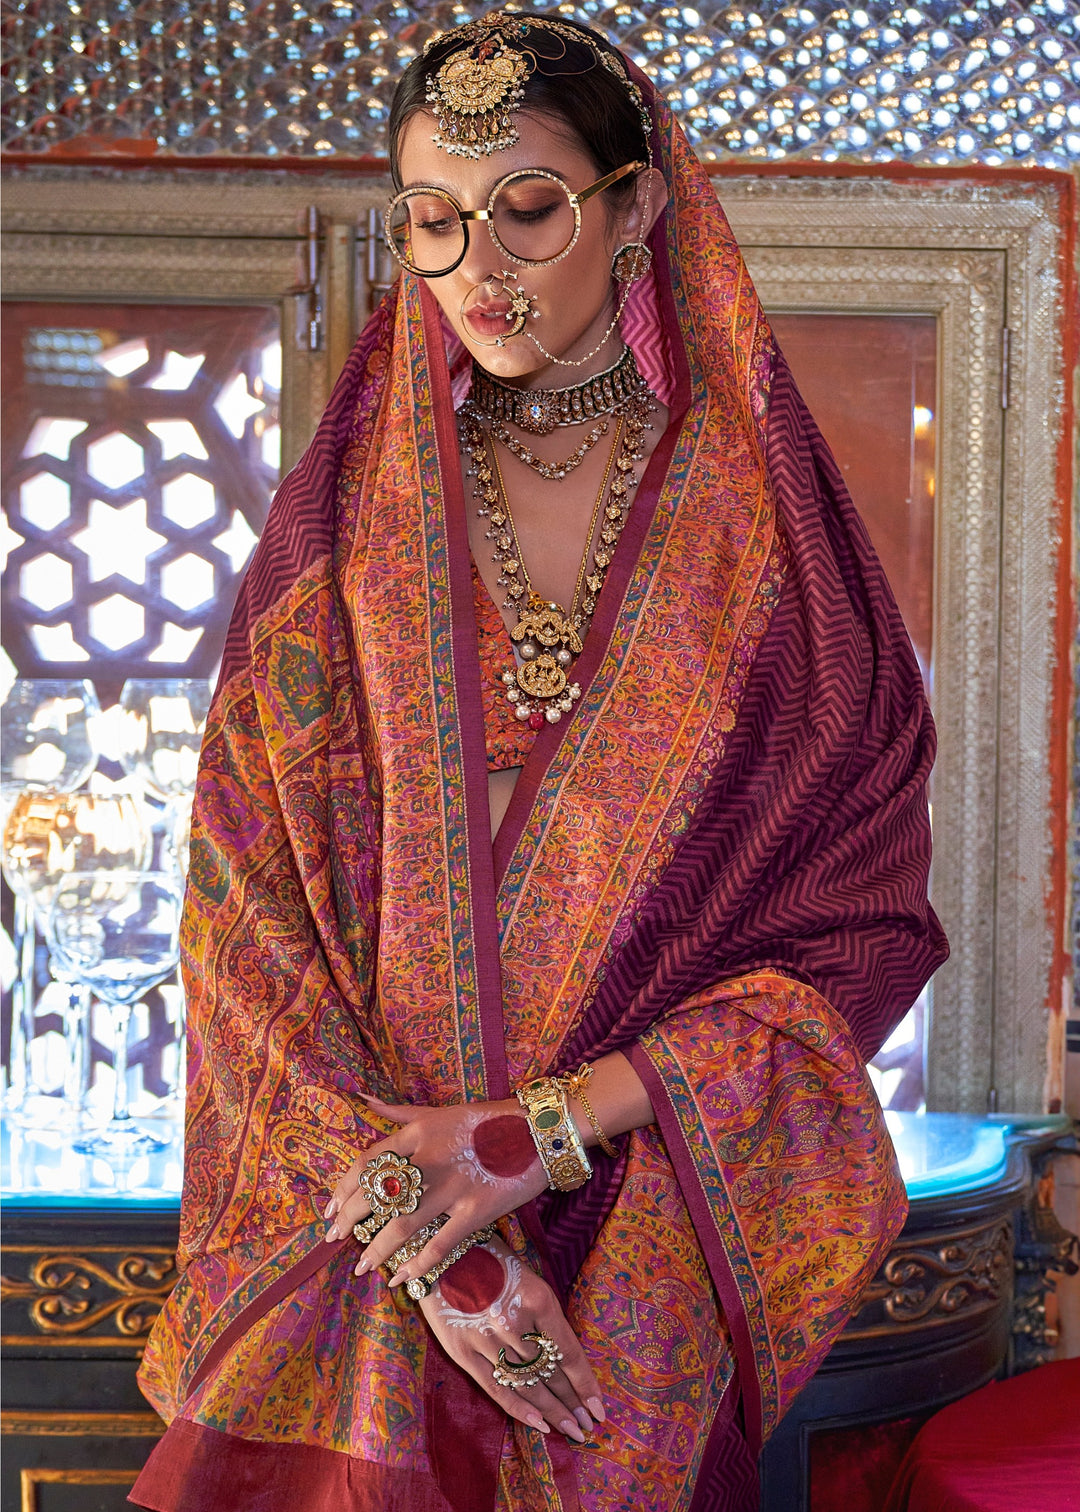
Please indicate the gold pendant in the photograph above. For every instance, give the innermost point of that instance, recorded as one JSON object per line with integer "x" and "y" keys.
{"x": 542, "y": 678}
{"x": 547, "y": 623}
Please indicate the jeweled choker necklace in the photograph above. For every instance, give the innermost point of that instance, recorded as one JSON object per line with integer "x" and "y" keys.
{"x": 540, "y": 411}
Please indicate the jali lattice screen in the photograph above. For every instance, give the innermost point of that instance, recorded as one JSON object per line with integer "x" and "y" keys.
{"x": 139, "y": 455}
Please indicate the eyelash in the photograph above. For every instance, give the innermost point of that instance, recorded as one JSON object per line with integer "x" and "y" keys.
{"x": 529, "y": 217}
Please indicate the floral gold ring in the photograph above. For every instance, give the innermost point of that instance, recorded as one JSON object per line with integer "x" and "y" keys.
{"x": 392, "y": 1186}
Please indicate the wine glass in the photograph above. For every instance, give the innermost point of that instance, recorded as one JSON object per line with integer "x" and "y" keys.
{"x": 164, "y": 723}
{"x": 47, "y": 742}
{"x": 118, "y": 932}
{"x": 47, "y": 739}
{"x": 164, "y": 726}
{"x": 49, "y": 835}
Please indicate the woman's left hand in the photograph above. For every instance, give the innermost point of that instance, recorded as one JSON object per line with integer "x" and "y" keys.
{"x": 477, "y": 1162}
{"x": 489, "y": 1302}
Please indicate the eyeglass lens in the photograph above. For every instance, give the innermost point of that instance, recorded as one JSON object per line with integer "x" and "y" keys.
{"x": 532, "y": 220}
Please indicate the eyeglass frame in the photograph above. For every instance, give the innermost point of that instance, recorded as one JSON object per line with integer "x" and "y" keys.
{"x": 577, "y": 198}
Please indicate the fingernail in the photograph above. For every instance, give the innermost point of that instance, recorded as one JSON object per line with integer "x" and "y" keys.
{"x": 363, "y": 1267}
{"x": 584, "y": 1419}
{"x": 571, "y": 1429}
{"x": 534, "y": 1420}
{"x": 332, "y": 1233}
{"x": 331, "y": 1208}
{"x": 596, "y": 1407}
{"x": 397, "y": 1278}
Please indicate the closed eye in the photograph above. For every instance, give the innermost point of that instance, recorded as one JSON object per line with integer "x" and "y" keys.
{"x": 532, "y": 217}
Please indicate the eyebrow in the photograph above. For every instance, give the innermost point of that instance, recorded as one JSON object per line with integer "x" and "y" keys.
{"x": 434, "y": 183}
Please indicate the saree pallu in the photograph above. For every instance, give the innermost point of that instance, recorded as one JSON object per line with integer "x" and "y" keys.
{"x": 717, "y": 865}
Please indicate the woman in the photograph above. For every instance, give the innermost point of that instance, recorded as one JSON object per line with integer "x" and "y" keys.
{"x": 561, "y": 849}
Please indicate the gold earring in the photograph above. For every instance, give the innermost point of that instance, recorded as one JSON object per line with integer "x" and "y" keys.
{"x": 631, "y": 262}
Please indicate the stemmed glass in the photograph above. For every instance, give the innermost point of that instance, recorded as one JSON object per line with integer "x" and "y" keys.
{"x": 48, "y": 739}
{"x": 47, "y": 837}
{"x": 165, "y": 720}
{"x": 118, "y": 932}
{"x": 47, "y": 744}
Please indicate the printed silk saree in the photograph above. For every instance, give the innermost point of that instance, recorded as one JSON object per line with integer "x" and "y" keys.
{"x": 717, "y": 865}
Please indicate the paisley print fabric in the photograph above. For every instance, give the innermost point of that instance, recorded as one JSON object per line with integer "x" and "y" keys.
{"x": 716, "y": 864}
{"x": 508, "y": 739}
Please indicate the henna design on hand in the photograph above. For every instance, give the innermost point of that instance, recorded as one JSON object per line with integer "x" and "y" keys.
{"x": 495, "y": 1150}
{"x": 480, "y": 1291}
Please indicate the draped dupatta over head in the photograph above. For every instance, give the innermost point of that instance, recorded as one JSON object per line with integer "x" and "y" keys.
{"x": 718, "y": 865}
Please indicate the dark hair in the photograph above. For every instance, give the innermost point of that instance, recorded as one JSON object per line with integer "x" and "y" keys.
{"x": 567, "y": 82}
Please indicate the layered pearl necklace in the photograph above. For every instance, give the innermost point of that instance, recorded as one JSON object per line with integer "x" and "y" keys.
{"x": 548, "y": 637}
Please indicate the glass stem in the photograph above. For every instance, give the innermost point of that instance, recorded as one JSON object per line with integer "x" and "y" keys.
{"x": 16, "y": 1070}
{"x": 77, "y": 1040}
{"x": 121, "y": 1019}
{"x": 23, "y": 1021}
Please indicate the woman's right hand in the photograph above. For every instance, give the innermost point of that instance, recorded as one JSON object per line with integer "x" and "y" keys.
{"x": 485, "y": 1302}
{"x": 477, "y": 1163}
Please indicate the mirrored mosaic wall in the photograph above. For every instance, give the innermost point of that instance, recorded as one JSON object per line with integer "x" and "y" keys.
{"x": 993, "y": 82}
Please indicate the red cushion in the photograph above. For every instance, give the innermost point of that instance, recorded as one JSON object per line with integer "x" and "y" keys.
{"x": 1014, "y": 1446}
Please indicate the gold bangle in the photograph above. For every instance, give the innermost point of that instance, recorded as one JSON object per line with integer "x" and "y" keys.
{"x": 575, "y": 1087}
{"x": 555, "y": 1134}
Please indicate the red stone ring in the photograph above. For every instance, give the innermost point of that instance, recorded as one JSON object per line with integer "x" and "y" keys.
{"x": 392, "y": 1187}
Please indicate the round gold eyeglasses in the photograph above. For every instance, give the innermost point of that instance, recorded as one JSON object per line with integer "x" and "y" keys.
{"x": 533, "y": 216}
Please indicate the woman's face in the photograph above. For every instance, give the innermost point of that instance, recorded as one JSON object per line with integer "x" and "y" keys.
{"x": 575, "y": 297}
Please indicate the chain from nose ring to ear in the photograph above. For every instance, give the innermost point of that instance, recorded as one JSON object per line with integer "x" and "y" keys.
{"x": 623, "y": 298}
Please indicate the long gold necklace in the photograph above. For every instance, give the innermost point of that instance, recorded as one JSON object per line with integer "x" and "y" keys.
{"x": 548, "y": 637}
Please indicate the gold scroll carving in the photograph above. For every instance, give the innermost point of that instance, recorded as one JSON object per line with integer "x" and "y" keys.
{"x": 73, "y": 1293}
{"x": 936, "y": 1278}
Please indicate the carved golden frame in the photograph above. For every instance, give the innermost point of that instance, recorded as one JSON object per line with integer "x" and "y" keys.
{"x": 30, "y": 1480}
{"x": 983, "y": 255}
{"x": 43, "y": 1422}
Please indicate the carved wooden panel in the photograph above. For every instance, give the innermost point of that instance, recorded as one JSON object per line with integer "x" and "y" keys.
{"x": 931, "y": 1279}
{"x": 85, "y": 1297}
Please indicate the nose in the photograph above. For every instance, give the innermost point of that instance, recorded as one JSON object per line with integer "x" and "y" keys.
{"x": 482, "y": 258}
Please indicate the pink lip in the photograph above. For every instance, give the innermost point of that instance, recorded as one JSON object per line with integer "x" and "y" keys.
{"x": 483, "y": 317}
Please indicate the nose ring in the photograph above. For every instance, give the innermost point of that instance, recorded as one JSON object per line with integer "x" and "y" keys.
{"x": 522, "y": 305}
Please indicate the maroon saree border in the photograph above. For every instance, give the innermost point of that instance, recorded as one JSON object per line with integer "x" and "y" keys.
{"x": 465, "y": 654}
{"x": 473, "y": 1420}
{"x": 195, "y": 1468}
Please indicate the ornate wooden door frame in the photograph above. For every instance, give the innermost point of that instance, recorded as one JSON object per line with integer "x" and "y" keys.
{"x": 989, "y": 253}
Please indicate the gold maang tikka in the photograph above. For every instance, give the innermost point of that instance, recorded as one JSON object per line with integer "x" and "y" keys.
{"x": 473, "y": 95}
{"x": 477, "y": 89}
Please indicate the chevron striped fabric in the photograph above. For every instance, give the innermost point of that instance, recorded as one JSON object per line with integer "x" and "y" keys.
{"x": 717, "y": 865}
